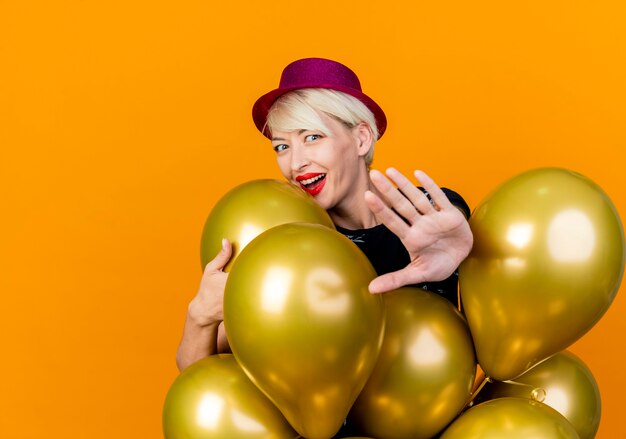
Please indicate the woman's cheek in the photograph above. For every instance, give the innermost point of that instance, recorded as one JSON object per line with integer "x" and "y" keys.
{"x": 284, "y": 167}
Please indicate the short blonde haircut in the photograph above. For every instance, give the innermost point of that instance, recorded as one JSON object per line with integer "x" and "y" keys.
{"x": 299, "y": 109}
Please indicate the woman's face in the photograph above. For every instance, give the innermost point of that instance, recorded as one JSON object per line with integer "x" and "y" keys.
{"x": 330, "y": 167}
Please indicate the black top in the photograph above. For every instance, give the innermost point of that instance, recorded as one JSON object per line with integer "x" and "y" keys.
{"x": 387, "y": 253}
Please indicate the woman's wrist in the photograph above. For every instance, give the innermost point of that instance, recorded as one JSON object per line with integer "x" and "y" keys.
{"x": 197, "y": 315}
{"x": 198, "y": 341}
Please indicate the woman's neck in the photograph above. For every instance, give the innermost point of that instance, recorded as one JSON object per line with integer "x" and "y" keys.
{"x": 353, "y": 213}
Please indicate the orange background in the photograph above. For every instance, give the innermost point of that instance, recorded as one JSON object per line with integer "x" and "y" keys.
{"x": 122, "y": 123}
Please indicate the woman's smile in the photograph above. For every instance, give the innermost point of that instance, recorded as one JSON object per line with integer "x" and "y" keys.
{"x": 312, "y": 183}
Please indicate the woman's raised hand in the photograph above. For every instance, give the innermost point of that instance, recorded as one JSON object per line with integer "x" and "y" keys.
{"x": 436, "y": 234}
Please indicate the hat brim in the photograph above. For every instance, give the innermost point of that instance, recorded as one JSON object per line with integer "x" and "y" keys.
{"x": 262, "y": 106}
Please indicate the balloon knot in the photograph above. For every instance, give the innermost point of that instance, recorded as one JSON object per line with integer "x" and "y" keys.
{"x": 538, "y": 394}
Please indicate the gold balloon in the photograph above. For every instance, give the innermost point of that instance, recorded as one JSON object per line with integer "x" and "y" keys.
{"x": 301, "y": 322}
{"x": 425, "y": 370}
{"x": 564, "y": 383}
{"x": 213, "y": 398}
{"x": 253, "y": 207}
{"x": 511, "y": 418}
{"x": 547, "y": 261}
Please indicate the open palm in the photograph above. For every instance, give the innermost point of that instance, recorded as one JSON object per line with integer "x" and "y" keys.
{"x": 435, "y": 233}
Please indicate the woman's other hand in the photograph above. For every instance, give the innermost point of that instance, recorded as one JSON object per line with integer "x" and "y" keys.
{"x": 207, "y": 307}
{"x": 203, "y": 334}
{"x": 436, "y": 234}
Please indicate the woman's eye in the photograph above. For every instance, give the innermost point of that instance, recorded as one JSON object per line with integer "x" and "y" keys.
{"x": 312, "y": 137}
{"x": 280, "y": 147}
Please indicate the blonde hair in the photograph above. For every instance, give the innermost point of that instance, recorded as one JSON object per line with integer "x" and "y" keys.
{"x": 299, "y": 109}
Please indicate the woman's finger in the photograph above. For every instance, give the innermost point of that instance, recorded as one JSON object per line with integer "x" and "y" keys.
{"x": 401, "y": 204}
{"x": 436, "y": 194}
{"x": 385, "y": 215}
{"x": 396, "y": 279}
{"x": 416, "y": 196}
{"x": 221, "y": 259}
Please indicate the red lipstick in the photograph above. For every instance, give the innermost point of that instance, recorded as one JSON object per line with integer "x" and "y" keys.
{"x": 312, "y": 183}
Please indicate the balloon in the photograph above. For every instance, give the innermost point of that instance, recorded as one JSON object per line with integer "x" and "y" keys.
{"x": 253, "y": 207}
{"x": 301, "y": 322}
{"x": 510, "y": 418}
{"x": 564, "y": 383}
{"x": 213, "y": 398}
{"x": 547, "y": 262}
{"x": 425, "y": 370}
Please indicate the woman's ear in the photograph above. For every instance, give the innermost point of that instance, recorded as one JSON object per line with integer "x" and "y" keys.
{"x": 364, "y": 137}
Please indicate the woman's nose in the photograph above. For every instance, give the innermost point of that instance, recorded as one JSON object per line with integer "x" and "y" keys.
{"x": 299, "y": 158}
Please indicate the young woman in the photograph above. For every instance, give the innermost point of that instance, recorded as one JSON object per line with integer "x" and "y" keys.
{"x": 323, "y": 129}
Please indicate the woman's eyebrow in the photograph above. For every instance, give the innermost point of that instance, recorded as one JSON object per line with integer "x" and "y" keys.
{"x": 281, "y": 139}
